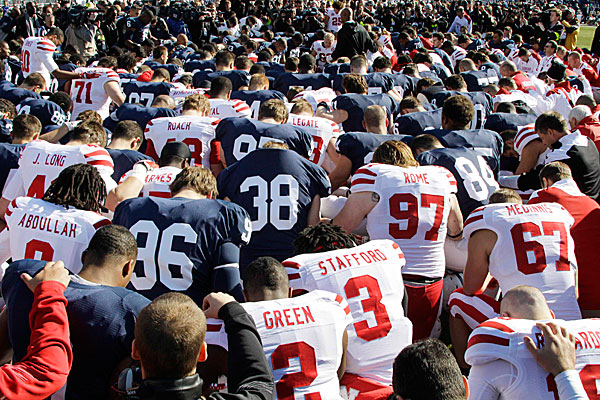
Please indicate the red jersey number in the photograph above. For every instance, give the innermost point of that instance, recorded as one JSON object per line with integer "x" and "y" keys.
{"x": 411, "y": 214}
{"x": 308, "y": 363}
{"x": 524, "y": 247}
{"x": 372, "y": 303}
{"x": 85, "y": 89}
{"x": 35, "y": 246}
{"x": 589, "y": 375}
{"x": 25, "y": 58}
{"x": 195, "y": 146}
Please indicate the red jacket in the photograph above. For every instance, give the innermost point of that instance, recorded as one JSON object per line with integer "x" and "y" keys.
{"x": 523, "y": 82}
{"x": 590, "y": 127}
{"x": 46, "y": 365}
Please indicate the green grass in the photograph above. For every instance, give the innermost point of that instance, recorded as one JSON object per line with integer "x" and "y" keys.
{"x": 586, "y": 34}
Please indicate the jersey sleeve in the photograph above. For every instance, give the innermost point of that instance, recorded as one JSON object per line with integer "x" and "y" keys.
{"x": 45, "y": 52}
{"x": 14, "y": 187}
{"x": 215, "y": 333}
{"x": 524, "y": 136}
{"x": 302, "y": 144}
{"x": 489, "y": 341}
{"x": 474, "y": 222}
{"x": 295, "y": 275}
{"x": 363, "y": 180}
{"x": 322, "y": 181}
{"x": 237, "y": 225}
{"x": 242, "y": 109}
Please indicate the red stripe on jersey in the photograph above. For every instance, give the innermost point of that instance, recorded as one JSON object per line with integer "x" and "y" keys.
{"x": 293, "y": 276}
{"x": 365, "y": 171}
{"x": 291, "y": 264}
{"x": 149, "y": 123}
{"x": 46, "y": 49}
{"x": 339, "y": 298}
{"x": 497, "y": 325}
{"x": 13, "y": 203}
{"x": 97, "y": 153}
{"x": 488, "y": 339}
{"x": 8, "y": 213}
{"x": 363, "y": 181}
{"x": 101, "y": 223}
{"x": 347, "y": 310}
{"x": 473, "y": 219}
{"x": 213, "y": 327}
{"x": 164, "y": 195}
{"x": 105, "y": 163}
{"x": 468, "y": 309}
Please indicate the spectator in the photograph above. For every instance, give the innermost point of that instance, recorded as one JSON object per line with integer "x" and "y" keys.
{"x": 352, "y": 38}
{"x": 582, "y": 120}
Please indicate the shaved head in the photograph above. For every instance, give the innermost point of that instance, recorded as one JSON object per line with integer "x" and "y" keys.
{"x": 526, "y": 302}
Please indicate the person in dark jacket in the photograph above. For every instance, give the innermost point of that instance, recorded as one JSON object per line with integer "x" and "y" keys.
{"x": 352, "y": 38}
{"x": 169, "y": 341}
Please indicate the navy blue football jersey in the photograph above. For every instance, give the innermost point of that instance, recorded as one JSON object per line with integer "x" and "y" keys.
{"x": 15, "y": 94}
{"x": 287, "y": 80}
{"x": 124, "y": 160}
{"x": 9, "y": 160}
{"x": 6, "y": 126}
{"x": 499, "y": 122}
{"x": 403, "y": 82}
{"x": 237, "y": 78}
{"x": 272, "y": 68}
{"x": 476, "y": 98}
{"x": 48, "y": 112}
{"x": 490, "y": 65}
{"x": 172, "y": 68}
{"x": 378, "y": 82}
{"x": 474, "y": 177}
{"x": 276, "y": 187}
{"x": 240, "y": 136}
{"x": 254, "y": 98}
{"x": 335, "y": 68}
{"x": 136, "y": 31}
{"x": 125, "y": 77}
{"x": 192, "y": 65}
{"x": 144, "y": 93}
{"x": 355, "y": 104}
{"x": 101, "y": 322}
{"x": 487, "y": 144}
{"x": 417, "y": 123}
{"x": 134, "y": 112}
{"x": 477, "y": 80}
{"x": 179, "y": 242}
{"x": 359, "y": 147}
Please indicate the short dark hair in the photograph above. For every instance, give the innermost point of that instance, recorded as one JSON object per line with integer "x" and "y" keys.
{"x": 111, "y": 242}
{"x": 555, "y": 171}
{"x": 198, "y": 179}
{"x": 224, "y": 58}
{"x": 127, "y": 130}
{"x": 425, "y": 142}
{"x": 291, "y": 64}
{"x": 126, "y": 61}
{"x": 455, "y": 82}
{"x": 382, "y": 62}
{"x": 427, "y": 370}
{"x": 7, "y": 107}
{"x": 394, "y": 152}
{"x": 220, "y": 86}
{"x": 273, "y": 108}
{"x": 505, "y": 195}
{"x": 63, "y": 100}
{"x": 169, "y": 334}
{"x": 322, "y": 237}
{"x": 25, "y": 126}
{"x": 265, "y": 273}
{"x": 551, "y": 120}
{"x": 506, "y": 107}
{"x": 89, "y": 132}
{"x": 408, "y": 103}
{"x": 243, "y": 62}
{"x": 161, "y": 73}
{"x": 458, "y": 109}
{"x": 355, "y": 83}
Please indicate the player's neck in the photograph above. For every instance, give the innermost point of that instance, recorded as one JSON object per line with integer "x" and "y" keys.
{"x": 97, "y": 274}
{"x": 192, "y": 113}
{"x": 270, "y": 121}
{"x": 378, "y": 130}
{"x": 189, "y": 194}
{"x": 119, "y": 144}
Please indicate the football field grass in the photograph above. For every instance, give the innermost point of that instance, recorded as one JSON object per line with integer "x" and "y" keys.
{"x": 586, "y": 34}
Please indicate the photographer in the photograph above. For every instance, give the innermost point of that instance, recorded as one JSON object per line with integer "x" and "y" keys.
{"x": 553, "y": 29}
{"x": 82, "y": 32}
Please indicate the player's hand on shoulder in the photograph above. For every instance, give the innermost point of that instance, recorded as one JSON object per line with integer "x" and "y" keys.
{"x": 53, "y": 271}
{"x": 558, "y": 353}
{"x": 213, "y": 303}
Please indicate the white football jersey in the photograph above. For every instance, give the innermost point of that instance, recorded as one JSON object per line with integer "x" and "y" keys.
{"x": 503, "y": 339}
{"x": 322, "y": 131}
{"x": 196, "y": 132}
{"x": 335, "y": 20}
{"x": 413, "y": 209}
{"x": 37, "y": 56}
{"x": 314, "y": 97}
{"x": 534, "y": 247}
{"x": 220, "y": 108}
{"x": 369, "y": 277}
{"x": 41, "y": 230}
{"x": 157, "y": 181}
{"x": 323, "y": 53}
{"x": 302, "y": 340}
{"x": 41, "y": 162}
{"x": 89, "y": 94}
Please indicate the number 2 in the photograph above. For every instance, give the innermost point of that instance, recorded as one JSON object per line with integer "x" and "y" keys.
{"x": 280, "y": 359}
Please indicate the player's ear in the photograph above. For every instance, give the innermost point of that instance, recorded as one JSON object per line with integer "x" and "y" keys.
{"x": 290, "y": 292}
{"x": 203, "y": 353}
{"x": 128, "y": 268}
{"x": 364, "y": 125}
{"x": 83, "y": 254}
{"x": 36, "y": 136}
{"x": 135, "y": 353}
{"x": 387, "y": 122}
